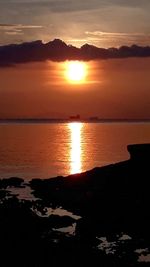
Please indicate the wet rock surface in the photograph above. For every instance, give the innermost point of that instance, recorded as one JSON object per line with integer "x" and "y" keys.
{"x": 111, "y": 227}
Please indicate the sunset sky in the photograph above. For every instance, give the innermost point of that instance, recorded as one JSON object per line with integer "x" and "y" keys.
{"x": 117, "y": 88}
{"x": 103, "y": 23}
{"x": 113, "y": 88}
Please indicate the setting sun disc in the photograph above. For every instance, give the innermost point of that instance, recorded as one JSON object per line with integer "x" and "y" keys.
{"x": 75, "y": 71}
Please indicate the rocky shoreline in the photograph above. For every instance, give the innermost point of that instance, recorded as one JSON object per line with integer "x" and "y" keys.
{"x": 102, "y": 217}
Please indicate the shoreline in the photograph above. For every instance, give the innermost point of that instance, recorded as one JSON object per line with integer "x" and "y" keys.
{"x": 96, "y": 218}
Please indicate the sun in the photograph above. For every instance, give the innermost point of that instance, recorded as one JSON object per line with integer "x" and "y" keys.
{"x": 76, "y": 71}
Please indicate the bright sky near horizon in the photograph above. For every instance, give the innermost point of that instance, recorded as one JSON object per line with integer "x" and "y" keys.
{"x": 103, "y": 23}
{"x": 118, "y": 88}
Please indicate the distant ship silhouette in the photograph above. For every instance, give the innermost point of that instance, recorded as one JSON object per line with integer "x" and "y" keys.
{"x": 75, "y": 118}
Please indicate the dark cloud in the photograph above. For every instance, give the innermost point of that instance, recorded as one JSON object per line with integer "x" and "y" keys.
{"x": 59, "y": 6}
{"x": 57, "y": 50}
{"x": 71, "y": 5}
{"x": 129, "y": 3}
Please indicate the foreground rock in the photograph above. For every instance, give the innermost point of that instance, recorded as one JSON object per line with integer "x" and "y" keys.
{"x": 112, "y": 203}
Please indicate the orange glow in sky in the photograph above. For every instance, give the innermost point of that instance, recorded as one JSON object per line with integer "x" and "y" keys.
{"x": 109, "y": 89}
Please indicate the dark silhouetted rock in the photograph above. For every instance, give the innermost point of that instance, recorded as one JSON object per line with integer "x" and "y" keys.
{"x": 113, "y": 203}
{"x": 140, "y": 152}
{"x": 11, "y": 182}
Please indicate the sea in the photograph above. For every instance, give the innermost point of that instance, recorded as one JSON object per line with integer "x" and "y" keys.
{"x": 49, "y": 149}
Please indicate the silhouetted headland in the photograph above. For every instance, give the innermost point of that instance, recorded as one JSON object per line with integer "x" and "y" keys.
{"x": 111, "y": 226}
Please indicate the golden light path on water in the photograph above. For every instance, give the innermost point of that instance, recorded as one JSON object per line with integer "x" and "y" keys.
{"x": 76, "y": 147}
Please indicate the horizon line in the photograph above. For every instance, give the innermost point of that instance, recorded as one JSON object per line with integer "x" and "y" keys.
{"x": 75, "y": 119}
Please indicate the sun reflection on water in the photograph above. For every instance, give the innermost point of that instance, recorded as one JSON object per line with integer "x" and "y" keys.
{"x": 76, "y": 147}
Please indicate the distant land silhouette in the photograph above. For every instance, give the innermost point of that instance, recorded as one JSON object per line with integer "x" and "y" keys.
{"x": 70, "y": 119}
{"x": 57, "y": 50}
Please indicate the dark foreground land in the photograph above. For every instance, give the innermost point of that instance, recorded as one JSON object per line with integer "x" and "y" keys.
{"x": 111, "y": 229}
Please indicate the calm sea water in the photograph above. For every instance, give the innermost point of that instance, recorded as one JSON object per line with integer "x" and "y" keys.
{"x": 50, "y": 149}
